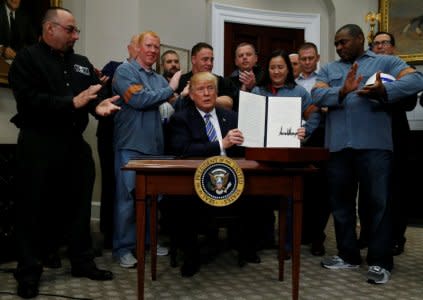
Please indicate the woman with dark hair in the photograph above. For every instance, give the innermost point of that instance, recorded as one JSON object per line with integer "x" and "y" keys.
{"x": 279, "y": 81}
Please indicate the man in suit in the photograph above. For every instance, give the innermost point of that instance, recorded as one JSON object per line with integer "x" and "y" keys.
{"x": 15, "y": 29}
{"x": 188, "y": 137}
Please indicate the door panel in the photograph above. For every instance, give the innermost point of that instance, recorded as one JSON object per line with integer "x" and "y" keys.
{"x": 266, "y": 39}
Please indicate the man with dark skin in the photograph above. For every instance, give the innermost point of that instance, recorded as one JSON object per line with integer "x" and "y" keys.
{"x": 359, "y": 137}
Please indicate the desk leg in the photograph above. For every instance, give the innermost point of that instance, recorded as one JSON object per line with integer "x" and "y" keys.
{"x": 153, "y": 236}
{"x": 297, "y": 218}
{"x": 283, "y": 205}
{"x": 140, "y": 219}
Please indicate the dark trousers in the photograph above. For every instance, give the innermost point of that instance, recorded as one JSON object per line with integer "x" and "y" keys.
{"x": 400, "y": 199}
{"x": 190, "y": 216}
{"x": 108, "y": 182}
{"x": 316, "y": 209}
{"x": 54, "y": 181}
{"x": 372, "y": 170}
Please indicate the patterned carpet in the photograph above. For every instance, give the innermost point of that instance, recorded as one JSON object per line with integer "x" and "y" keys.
{"x": 223, "y": 279}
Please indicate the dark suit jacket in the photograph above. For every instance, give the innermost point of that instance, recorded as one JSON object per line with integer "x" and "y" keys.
{"x": 26, "y": 34}
{"x": 187, "y": 133}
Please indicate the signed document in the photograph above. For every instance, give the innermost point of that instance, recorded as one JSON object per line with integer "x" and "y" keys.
{"x": 269, "y": 121}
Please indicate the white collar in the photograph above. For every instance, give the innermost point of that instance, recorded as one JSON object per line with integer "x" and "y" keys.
{"x": 301, "y": 76}
{"x": 8, "y": 10}
{"x": 212, "y": 113}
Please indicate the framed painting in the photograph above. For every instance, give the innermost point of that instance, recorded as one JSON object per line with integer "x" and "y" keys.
{"x": 32, "y": 12}
{"x": 404, "y": 19}
{"x": 184, "y": 58}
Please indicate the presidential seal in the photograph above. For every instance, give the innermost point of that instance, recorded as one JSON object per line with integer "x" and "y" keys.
{"x": 219, "y": 181}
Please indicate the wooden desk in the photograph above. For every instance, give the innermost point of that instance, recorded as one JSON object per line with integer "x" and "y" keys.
{"x": 4, "y": 70}
{"x": 176, "y": 177}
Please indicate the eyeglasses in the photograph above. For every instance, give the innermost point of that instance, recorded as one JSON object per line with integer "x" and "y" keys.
{"x": 69, "y": 29}
{"x": 381, "y": 43}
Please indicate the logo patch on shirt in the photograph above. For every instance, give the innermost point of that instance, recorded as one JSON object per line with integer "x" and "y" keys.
{"x": 132, "y": 89}
{"x": 81, "y": 69}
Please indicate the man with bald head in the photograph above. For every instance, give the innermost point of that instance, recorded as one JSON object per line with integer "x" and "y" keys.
{"x": 55, "y": 89}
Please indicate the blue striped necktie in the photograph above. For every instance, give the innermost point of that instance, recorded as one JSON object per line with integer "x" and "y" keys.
{"x": 210, "y": 130}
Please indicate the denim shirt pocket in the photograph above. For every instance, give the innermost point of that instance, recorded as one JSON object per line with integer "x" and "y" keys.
{"x": 336, "y": 79}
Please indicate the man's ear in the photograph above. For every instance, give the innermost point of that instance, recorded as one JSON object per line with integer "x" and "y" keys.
{"x": 362, "y": 39}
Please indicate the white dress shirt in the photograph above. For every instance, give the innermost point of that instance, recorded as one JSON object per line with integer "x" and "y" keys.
{"x": 215, "y": 122}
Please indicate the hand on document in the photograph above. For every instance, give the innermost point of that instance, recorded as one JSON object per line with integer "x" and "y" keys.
{"x": 233, "y": 137}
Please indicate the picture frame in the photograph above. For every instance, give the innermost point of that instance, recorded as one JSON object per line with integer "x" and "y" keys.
{"x": 34, "y": 10}
{"x": 184, "y": 57}
{"x": 404, "y": 19}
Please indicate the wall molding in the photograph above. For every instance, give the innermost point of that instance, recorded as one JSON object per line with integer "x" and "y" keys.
{"x": 226, "y": 13}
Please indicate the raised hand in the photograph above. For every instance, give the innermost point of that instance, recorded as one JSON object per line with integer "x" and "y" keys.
{"x": 174, "y": 81}
{"x": 107, "y": 106}
{"x": 86, "y": 96}
{"x": 248, "y": 80}
{"x": 352, "y": 81}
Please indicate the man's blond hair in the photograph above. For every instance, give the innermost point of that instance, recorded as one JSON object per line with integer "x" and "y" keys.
{"x": 202, "y": 76}
{"x": 134, "y": 39}
{"x": 142, "y": 35}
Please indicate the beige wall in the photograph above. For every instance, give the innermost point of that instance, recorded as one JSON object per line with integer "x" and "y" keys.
{"x": 181, "y": 23}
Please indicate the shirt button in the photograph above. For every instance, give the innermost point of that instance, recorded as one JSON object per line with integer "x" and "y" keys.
{"x": 65, "y": 72}
{"x": 67, "y": 84}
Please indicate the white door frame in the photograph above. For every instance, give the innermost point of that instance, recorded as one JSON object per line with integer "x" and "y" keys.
{"x": 225, "y": 13}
